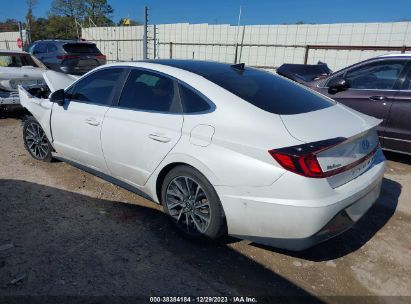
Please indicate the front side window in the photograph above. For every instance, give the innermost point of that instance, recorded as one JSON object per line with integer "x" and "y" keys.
{"x": 380, "y": 75}
{"x": 97, "y": 88}
{"x": 148, "y": 91}
{"x": 191, "y": 101}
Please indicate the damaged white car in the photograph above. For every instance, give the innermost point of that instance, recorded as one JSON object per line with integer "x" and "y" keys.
{"x": 224, "y": 148}
{"x": 17, "y": 68}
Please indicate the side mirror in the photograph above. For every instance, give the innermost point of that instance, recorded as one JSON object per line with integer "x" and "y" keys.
{"x": 336, "y": 85}
{"x": 58, "y": 97}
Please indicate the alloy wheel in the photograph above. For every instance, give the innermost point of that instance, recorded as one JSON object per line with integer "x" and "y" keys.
{"x": 188, "y": 205}
{"x": 36, "y": 141}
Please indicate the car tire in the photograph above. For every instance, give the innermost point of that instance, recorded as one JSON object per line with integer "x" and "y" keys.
{"x": 35, "y": 140}
{"x": 200, "y": 205}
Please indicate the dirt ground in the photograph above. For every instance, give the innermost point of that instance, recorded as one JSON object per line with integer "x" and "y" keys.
{"x": 64, "y": 232}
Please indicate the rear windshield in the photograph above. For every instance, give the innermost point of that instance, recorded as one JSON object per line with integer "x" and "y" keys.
{"x": 81, "y": 48}
{"x": 16, "y": 60}
{"x": 270, "y": 92}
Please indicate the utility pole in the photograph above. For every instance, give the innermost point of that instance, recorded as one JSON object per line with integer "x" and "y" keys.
{"x": 145, "y": 33}
{"x": 155, "y": 41}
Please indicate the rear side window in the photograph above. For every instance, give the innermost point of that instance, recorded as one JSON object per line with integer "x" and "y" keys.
{"x": 97, "y": 88}
{"x": 191, "y": 101}
{"x": 269, "y": 92}
{"x": 15, "y": 60}
{"x": 81, "y": 48}
{"x": 148, "y": 91}
{"x": 40, "y": 48}
{"x": 380, "y": 75}
{"x": 51, "y": 48}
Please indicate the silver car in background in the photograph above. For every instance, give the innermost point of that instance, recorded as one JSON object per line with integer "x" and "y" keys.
{"x": 17, "y": 68}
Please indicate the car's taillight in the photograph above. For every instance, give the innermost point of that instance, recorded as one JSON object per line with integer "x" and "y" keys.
{"x": 63, "y": 57}
{"x": 304, "y": 165}
{"x": 101, "y": 56}
{"x": 302, "y": 159}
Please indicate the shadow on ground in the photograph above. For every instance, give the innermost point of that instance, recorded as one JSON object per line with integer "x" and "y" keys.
{"x": 19, "y": 113}
{"x": 361, "y": 233}
{"x": 72, "y": 244}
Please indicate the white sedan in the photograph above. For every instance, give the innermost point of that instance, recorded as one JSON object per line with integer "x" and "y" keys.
{"x": 224, "y": 148}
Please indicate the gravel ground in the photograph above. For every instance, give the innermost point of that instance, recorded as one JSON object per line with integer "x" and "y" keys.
{"x": 64, "y": 232}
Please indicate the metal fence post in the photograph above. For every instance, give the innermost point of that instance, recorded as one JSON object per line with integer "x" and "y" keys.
{"x": 145, "y": 34}
{"x": 307, "y": 49}
{"x": 235, "y": 53}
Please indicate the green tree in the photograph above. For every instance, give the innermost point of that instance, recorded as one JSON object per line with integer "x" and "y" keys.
{"x": 61, "y": 27}
{"x": 9, "y": 25}
{"x": 72, "y": 12}
{"x": 99, "y": 11}
{"x": 39, "y": 29}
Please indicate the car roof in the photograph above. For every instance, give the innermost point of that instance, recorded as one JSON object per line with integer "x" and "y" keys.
{"x": 397, "y": 55}
{"x": 13, "y": 52}
{"x": 62, "y": 41}
{"x": 199, "y": 67}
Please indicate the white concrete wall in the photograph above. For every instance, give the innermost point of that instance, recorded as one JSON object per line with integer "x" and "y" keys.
{"x": 8, "y": 40}
{"x": 367, "y": 34}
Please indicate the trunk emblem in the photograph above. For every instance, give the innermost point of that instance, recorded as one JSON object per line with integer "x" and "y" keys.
{"x": 333, "y": 166}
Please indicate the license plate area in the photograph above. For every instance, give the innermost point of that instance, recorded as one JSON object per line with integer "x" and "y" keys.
{"x": 347, "y": 176}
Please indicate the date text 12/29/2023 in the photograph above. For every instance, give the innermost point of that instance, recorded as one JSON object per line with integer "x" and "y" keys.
{"x": 187, "y": 299}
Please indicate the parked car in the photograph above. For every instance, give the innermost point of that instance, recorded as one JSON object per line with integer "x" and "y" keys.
{"x": 223, "y": 148}
{"x": 380, "y": 87}
{"x": 68, "y": 56}
{"x": 17, "y": 68}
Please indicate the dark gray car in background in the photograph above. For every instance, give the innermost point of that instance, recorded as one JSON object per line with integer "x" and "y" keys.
{"x": 68, "y": 56}
{"x": 379, "y": 87}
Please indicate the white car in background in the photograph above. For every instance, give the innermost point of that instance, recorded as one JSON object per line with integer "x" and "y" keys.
{"x": 17, "y": 68}
{"x": 223, "y": 148}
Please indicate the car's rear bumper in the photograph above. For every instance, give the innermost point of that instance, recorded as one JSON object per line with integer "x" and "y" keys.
{"x": 296, "y": 213}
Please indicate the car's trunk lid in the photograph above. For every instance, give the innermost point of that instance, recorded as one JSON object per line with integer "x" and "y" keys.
{"x": 348, "y": 157}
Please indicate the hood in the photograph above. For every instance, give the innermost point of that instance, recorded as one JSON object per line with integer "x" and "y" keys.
{"x": 335, "y": 121}
{"x": 303, "y": 73}
{"x": 56, "y": 80}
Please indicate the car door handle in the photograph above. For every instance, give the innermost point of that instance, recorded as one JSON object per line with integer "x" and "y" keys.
{"x": 159, "y": 138}
{"x": 92, "y": 121}
{"x": 378, "y": 98}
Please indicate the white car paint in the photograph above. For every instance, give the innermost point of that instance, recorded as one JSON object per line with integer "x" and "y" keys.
{"x": 262, "y": 201}
{"x": 12, "y": 77}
